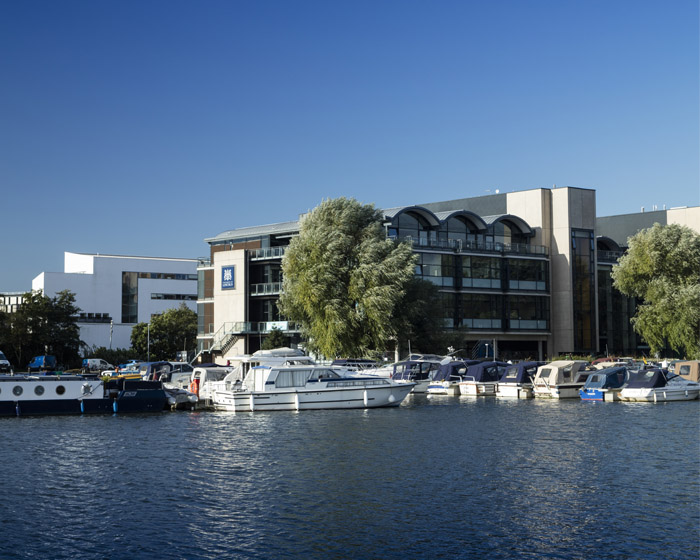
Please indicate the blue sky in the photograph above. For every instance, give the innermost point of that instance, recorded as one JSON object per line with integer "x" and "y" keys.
{"x": 144, "y": 127}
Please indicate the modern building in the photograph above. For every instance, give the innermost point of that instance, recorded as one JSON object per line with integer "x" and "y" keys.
{"x": 11, "y": 301}
{"x": 521, "y": 274}
{"x": 115, "y": 292}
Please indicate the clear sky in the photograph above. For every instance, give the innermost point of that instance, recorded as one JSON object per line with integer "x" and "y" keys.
{"x": 142, "y": 127}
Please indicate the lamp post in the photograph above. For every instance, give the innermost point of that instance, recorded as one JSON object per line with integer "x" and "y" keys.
{"x": 487, "y": 350}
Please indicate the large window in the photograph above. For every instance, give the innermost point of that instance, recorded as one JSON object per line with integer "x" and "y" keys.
{"x": 481, "y": 311}
{"x": 527, "y": 274}
{"x": 481, "y": 272}
{"x": 436, "y": 268}
{"x": 528, "y": 312}
{"x": 415, "y": 226}
{"x": 130, "y": 297}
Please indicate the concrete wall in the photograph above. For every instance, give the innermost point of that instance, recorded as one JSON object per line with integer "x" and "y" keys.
{"x": 231, "y": 304}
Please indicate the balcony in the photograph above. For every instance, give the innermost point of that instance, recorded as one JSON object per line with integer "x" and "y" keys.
{"x": 269, "y": 289}
{"x": 609, "y": 256}
{"x": 461, "y": 246}
{"x": 266, "y": 254}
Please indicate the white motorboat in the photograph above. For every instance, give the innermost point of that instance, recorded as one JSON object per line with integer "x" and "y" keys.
{"x": 418, "y": 371}
{"x": 560, "y": 379}
{"x": 481, "y": 379}
{"x": 450, "y": 373}
{"x": 655, "y": 385}
{"x": 516, "y": 380}
{"x": 306, "y": 387}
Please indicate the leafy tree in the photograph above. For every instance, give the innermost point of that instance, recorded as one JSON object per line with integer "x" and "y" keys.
{"x": 167, "y": 334}
{"x": 42, "y": 325}
{"x": 662, "y": 268}
{"x": 113, "y": 356}
{"x": 276, "y": 339}
{"x": 342, "y": 279}
{"x": 418, "y": 319}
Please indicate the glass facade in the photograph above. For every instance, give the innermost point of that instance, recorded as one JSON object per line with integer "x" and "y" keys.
{"x": 583, "y": 282}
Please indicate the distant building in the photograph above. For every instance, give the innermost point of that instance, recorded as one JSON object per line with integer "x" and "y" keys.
{"x": 115, "y": 292}
{"x": 10, "y": 301}
{"x": 522, "y": 274}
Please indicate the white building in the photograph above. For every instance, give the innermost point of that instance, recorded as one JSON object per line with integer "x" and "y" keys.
{"x": 115, "y": 292}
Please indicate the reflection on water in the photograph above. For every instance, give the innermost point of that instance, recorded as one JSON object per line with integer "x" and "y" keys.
{"x": 439, "y": 477}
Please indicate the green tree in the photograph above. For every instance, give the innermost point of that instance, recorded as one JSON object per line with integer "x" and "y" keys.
{"x": 42, "y": 325}
{"x": 662, "y": 268}
{"x": 342, "y": 279}
{"x": 276, "y": 339}
{"x": 167, "y": 334}
{"x": 418, "y": 319}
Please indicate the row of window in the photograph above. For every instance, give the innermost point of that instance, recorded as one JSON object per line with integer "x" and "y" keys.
{"x": 496, "y": 311}
{"x": 483, "y": 272}
{"x": 177, "y": 297}
{"x": 39, "y": 390}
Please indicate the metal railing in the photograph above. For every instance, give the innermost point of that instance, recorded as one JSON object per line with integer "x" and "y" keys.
{"x": 466, "y": 246}
{"x": 267, "y": 253}
{"x": 271, "y": 288}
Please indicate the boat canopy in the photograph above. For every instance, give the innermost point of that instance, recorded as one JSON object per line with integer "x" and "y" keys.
{"x": 453, "y": 369}
{"x": 486, "y": 371}
{"x": 563, "y": 371}
{"x": 415, "y": 370}
{"x": 608, "y": 378}
{"x": 688, "y": 370}
{"x": 522, "y": 372}
{"x": 646, "y": 379}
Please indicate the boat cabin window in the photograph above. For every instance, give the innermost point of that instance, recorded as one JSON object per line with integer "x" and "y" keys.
{"x": 684, "y": 370}
{"x": 512, "y": 372}
{"x": 544, "y": 373}
{"x": 566, "y": 373}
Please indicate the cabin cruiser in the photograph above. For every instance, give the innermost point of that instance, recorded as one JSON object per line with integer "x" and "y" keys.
{"x": 305, "y": 387}
{"x": 22, "y": 395}
{"x": 481, "y": 379}
{"x": 560, "y": 379}
{"x": 516, "y": 380}
{"x": 656, "y": 385}
{"x": 604, "y": 384}
{"x": 446, "y": 380}
{"x": 418, "y": 371}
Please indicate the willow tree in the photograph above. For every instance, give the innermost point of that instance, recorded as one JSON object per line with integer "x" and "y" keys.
{"x": 662, "y": 268}
{"x": 342, "y": 279}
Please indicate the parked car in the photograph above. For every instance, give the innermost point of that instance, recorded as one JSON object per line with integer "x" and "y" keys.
{"x": 5, "y": 365}
{"x": 42, "y": 363}
{"x": 96, "y": 365}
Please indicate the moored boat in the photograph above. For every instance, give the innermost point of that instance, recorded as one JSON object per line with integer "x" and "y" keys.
{"x": 418, "y": 371}
{"x": 22, "y": 395}
{"x": 656, "y": 385}
{"x": 448, "y": 376}
{"x": 560, "y": 379}
{"x": 604, "y": 384}
{"x": 481, "y": 379}
{"x": 294, "y": 387}
{"x": 516, "y": 380}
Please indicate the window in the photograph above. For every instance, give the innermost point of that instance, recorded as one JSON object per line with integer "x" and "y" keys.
{"x": 481, "y": 272}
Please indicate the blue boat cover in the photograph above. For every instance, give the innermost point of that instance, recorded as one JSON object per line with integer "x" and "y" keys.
{"x": 646, "y": 379}
{"x": 456, "y": 368}
{"x": 608, "y": 378}
{"x": 522, "y": 372}
{"x": 486, "y": 371}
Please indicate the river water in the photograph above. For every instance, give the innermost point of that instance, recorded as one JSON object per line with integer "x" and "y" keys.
{"x": 438, "y": 477}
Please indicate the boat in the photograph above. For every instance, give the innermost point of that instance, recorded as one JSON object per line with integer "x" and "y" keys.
{"x": 657, "y": 385}
{"x": 305, "y": 387}
{"x": 516, "y": 380}
{"x": 446, "y": 380}
{"x": 22, "y": 395}
{"x": 560, "y": 379}
{"x": 604, "y": 384}
{"x": 688, "y": 370}
{"x": 481, "y": 379}
{"x": 418, "y": 371}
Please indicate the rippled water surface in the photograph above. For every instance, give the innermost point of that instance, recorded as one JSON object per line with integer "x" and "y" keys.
{"x": 441, "y": 477}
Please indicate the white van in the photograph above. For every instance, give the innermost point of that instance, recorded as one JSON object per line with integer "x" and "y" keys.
{"x": 96, "y": 364}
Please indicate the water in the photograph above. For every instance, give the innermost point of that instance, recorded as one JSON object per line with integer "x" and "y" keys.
{"x": 439, "y": 477}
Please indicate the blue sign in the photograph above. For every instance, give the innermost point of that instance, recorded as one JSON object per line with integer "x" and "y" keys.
{"x": 228, "y": 278}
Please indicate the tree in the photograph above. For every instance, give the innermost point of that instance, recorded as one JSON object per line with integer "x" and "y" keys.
{"x": 42, "y": 325}
{"x": 342, "y": 279}
{"x": 276, "y": 339}
{"x": 662, "y": 268}
{"x": 418, "y": 319}
{"x": 166, "y": 335}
